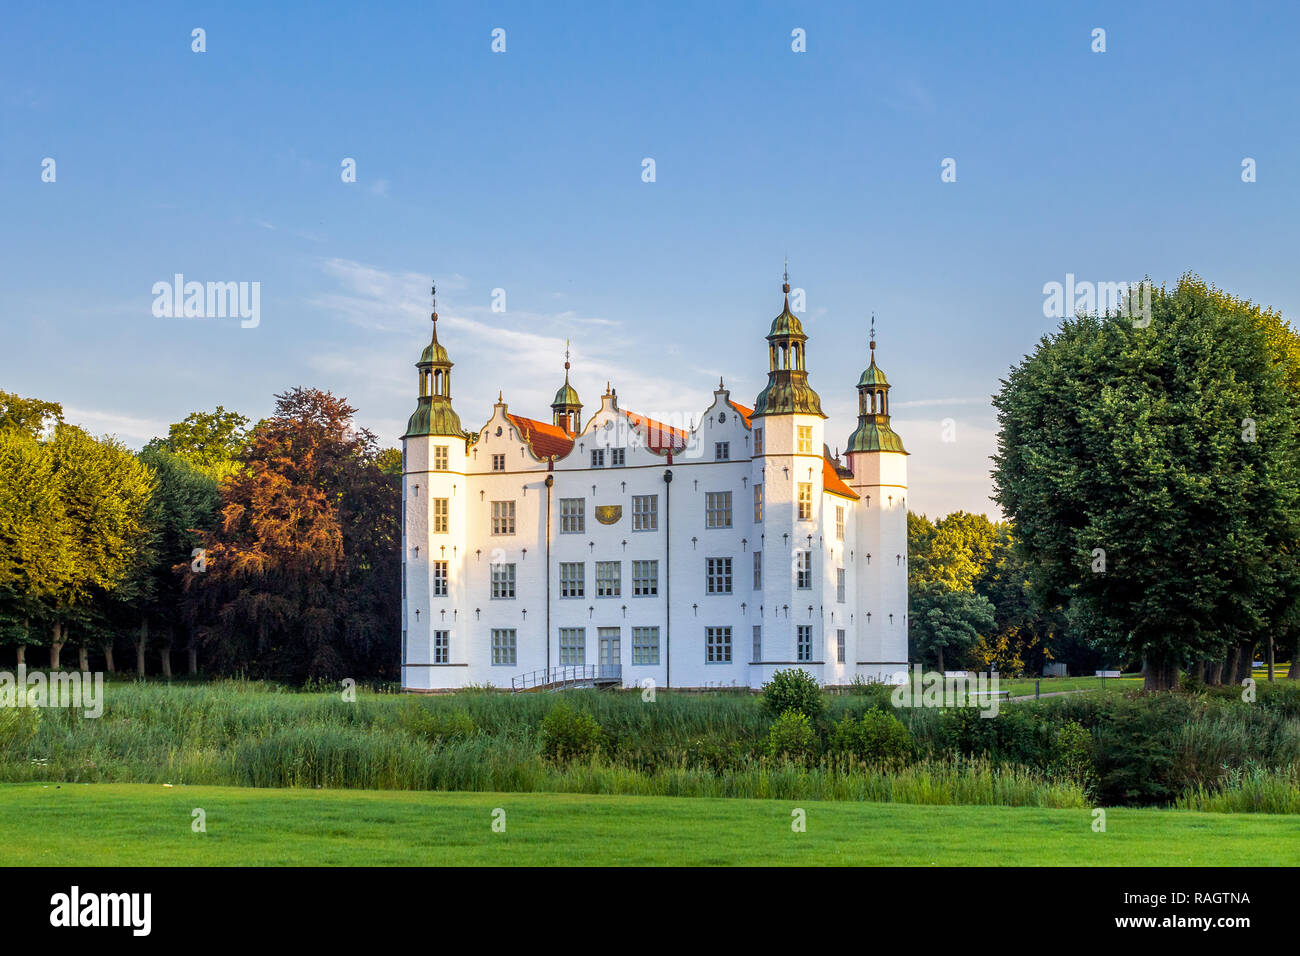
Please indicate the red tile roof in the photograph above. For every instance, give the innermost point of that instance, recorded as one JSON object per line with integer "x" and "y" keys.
{"x": 658, "y": 436}
{"x": 833, "y": 482}
{"x": 745, "y": 413}
{"x": 545, "y": 439}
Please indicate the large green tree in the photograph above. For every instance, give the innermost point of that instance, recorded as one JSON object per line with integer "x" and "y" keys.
{"x": 1149, "y": 469}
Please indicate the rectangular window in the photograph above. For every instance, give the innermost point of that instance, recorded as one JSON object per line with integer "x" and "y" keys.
{"x": 722, "y": 451}
{"x": 717, "y": 509}
{"x": 717, "y": 575}
{"x": 758, "y": 503}
{"x": 598, "y": 458}
{"x": 758, "y": 570}
{"x": 439, "y": 457}
{"x": 441, "y": 647}
{"x": 805, "y": 439}
{"x": 618, "y": 456}
{"x": 440, "y": 579}
{"x": 717, "y": 645}
{"x": 573, "y": 515}
{"x": 439, "y": 515}
{"x": 645, "y": 512}
{"x": 803, "y": 649}
{"x": 503, "y": 581}
{"x": 498, "y": 462}
{"x": 839, "y": 522}
{"x": 645, "y": 645}
{"x": 803, "y": 569}
{"x": 573, "y": 575}
{"x": 839, "y": 585}
{"x": 758, "y": 441}
{"x": 805, "y": 501}
{"x": 839, "y": 645}
{"x": 504, "y": 647}
{"x": 503, "y": 517}
{"x": 609, "y": 578}
{"x": 645, "y": 578}
{"x": 573, "y": 646}
{"x": 758, "y": 644}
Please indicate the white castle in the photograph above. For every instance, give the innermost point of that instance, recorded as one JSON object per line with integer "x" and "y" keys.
{"x": 620, "y": 550}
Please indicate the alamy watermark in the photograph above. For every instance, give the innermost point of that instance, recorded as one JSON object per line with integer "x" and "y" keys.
{"x": 949, "y": 689}
{"x": 1132, "y": 300}
{"x": 73, "y": 690}
{"x": 179, "y": 299}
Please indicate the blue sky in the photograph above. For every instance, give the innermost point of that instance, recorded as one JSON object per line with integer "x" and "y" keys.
{"x": 522, "y": 171}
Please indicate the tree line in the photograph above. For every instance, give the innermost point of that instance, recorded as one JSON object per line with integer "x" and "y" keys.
{"x": 267, "y": 549}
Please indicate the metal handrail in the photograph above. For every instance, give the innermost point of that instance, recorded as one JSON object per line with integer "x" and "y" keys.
{"x": 566, "y": 674}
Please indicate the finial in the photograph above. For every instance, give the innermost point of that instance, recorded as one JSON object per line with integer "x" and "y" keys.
{"x": 566, "y": 360}
{"x": 500, "y": 400}
{"x": 873, "y": 335}
{"x": 721, "y": 387}
{"x": 433, "y": 295}
{"x": 785, "y": 286}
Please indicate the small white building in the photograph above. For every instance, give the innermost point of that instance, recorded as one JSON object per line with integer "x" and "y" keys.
{"x": 622, "y": 548}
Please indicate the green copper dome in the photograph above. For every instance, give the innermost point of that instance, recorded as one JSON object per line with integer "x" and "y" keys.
{"x": 786, "y": 324}
{"x": 434, "y": 353}
{"x": 873, "y": 376}
{"x": 434, "y": 418}
{"x": 433, "y": 413}
{"x": 787, "y": 391}
{"x": 875, "y": 436}
{"x": 874, "y": 432}
{"x": 566, "y": 396}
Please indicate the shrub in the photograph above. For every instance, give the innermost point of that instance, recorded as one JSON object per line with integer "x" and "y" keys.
{"x": 875, "y": 738}
{"x": 436, "y": 724}
{"x": 569, "y": 734}
{"x": 1072, "y": 754}
{"x": 793, "y": 690}
{"x": 792, "y": 737}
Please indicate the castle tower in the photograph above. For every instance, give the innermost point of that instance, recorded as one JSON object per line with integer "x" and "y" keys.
{"x": 433, "y": 529}
{"x": 879, "y": 464}
{"x": 567, "y": 407}
{"x": 787, "y": 467}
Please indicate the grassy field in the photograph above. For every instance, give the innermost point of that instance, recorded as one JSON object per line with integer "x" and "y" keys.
{"x": 137, "y": 824}
{"x": 1024, "y": 686}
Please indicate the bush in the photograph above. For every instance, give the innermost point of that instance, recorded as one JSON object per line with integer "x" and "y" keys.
{"x": 792, "y": 737}
{"x": 436, "y": 724}
{"x": 1072, "y": 754}
{"x": 875, "y": 738}
{"x": 793, "y": 690}
{"x": 569, "y": 734}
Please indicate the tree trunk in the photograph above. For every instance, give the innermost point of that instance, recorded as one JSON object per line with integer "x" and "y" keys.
{"x": 165, "y": 652}
{"x": 1216, "y": 673}
{"x": 1270, "y": 658}
{"x": 108, "y": 657}
{"x": 1293, "y": 672}
{"x": 140, "y": 643}
{"x": 1198, "y": 670}
{"x": 83, "y": 659}
{"x": 22, "y": 656}
{"x": 1245, "y": 663}
{"x": 194, "y": 658}
{"x": 941, "y": 660}
{"x": 1230, "y": 665}
{"x": 56, "y": 645}
{"x": 1159, "y": 674}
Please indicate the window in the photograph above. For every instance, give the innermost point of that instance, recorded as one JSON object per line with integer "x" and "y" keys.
{"x": 758, "y": 643}
{"x": 440, "y": 579}
{"x": 758, "y": 570}
{"x": 717, "y": 575}
{"x": 758, "y": 441}
{"x": 598, "y": 458}
{"x": 722, "y": 451}
{"x": 645, "y": 512}
{"x": 645, "y": 578}
{"x": 717, "y": 645}
{"x": 839, "y": 585}
{"x": 839, "y": 645}
{"x": 803, "y": 569}
{"x": 805, "y": 500}
{"x": 839, "y": 522}
{"x": 439, "y": 515}
{"x": 503, "y": 517}
{"x": 573, "y": 645}
{"x": 503, "y": 581}
{"x": 573, "y": 576}
{"x": 504, "y": 646}
{"x": 618, "y": 456}
{"x": 573, "y": 515}
{"x": 498, "y": 462}
{"x": 441, "y": 647}
{"x": 611, "y": 651}
{"x": 803, "y": 649}
{"x": 717, "y": 509}
{"x": 609, "y": 578}
{"x": 805, "y": 439}
{"x": 645, "y": 645}
{"x": 758, "y": 503}
{"x": 439, "y": 457}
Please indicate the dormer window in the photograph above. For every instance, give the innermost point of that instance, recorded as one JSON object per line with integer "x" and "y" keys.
{"x": 598, "y": 458}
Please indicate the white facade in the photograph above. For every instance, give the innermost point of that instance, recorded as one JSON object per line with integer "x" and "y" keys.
{"x": 645, "y": 551}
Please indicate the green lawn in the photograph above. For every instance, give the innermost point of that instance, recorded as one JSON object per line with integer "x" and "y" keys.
{"x": 1024, "y": 686}
{"x": 139, "y": 824}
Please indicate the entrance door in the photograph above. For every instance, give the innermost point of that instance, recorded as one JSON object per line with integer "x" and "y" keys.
{"x": 610, "y": 652}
